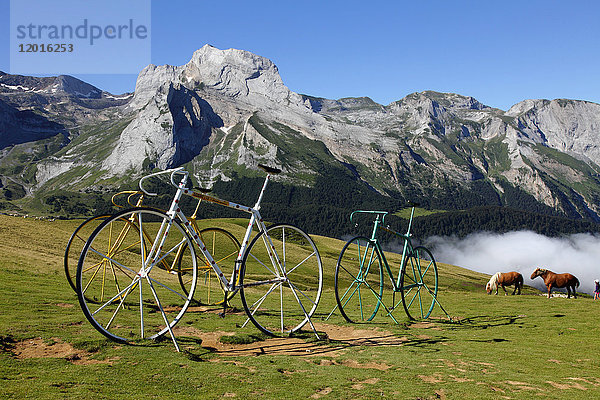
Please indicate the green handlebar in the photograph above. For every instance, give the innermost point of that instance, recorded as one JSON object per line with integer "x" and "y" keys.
{"x": 382, "y": 213}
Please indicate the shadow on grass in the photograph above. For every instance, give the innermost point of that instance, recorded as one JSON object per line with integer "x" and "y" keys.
{"x": 426, "y": 344}
{"x": 482, "y": 322}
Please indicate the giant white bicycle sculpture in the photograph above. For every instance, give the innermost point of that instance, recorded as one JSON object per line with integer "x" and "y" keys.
{"x": 127, "y": 293}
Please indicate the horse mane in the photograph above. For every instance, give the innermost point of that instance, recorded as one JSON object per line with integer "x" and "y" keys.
{"x": 493, "y": 283}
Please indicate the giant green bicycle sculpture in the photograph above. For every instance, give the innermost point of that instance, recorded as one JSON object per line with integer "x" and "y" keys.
{"x": 360, "y": 276}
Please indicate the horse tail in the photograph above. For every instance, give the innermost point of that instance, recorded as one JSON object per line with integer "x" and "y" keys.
{"x": 576, "y": 281}
{"x": 520, "y": 279}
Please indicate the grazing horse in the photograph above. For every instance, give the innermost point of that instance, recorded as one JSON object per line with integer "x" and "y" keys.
{"x": 505, "y": 279}
{"x": 557, "y": 280}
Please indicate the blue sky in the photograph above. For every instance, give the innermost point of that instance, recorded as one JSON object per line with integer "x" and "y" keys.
{"x": 498, "y": 52}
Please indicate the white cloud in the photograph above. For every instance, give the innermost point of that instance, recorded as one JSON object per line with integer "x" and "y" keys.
{"x": 523, "y": 251}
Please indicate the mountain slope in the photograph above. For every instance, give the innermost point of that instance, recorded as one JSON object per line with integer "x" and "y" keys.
{"x": 225, "y": 111}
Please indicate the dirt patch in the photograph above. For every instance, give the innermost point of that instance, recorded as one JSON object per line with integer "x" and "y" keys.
{"x": 459, "y": 379}
{"x": 522, "y": 385}
{"x": 566, "y": 386}
{"x": 213, "y": 310}
{"x": 321, "y": 393}
{"x": 597, "y": 383}
{"x": 425, "y": 325}
{"x": 346, "y": 336}
{"x": 361, "y": 337}
{"x": 369, "y": 365}
{"x": 54, "y": 348}
{"x": 361, "y": 385}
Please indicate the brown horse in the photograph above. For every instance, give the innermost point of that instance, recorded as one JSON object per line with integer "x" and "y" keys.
{"x": 557, "y": 280}
{"x": 505, "y": 279}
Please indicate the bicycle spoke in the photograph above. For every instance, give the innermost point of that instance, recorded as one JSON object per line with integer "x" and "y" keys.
{"x": 302, "y": 293}
{"x": 183, "y": 296}
{"x": 120, "y": 294}
{"x": 300, "y": 263}
{"x": 106, "y": 257}
{"x": 254, "y": 307}
{"x": 265, "y": 266}
{"x": 293, "y": 288}
{"x": 162, "y": 312}
{"x": 167, "y": 253}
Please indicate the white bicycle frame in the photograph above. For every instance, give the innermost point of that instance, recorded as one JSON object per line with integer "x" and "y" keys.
{"x": 175, "y": 210}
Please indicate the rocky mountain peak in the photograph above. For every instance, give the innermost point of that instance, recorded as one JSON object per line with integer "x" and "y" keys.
{"x": 75, "y": 87}
{"x": 451, "y": 101}
{"x": 420, "y": 108}
{"x": 525, "y": 106}
{"x": 225, "y": 110}
{"x": 232, "y": 73}
{"x": 235, "y": 73}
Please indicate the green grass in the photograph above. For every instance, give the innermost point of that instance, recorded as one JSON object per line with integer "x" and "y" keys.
{"x": 517, "y": 347}
{"x": 419, "y": 212}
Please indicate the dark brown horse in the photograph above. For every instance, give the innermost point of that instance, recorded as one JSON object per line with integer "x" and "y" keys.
{"x": 552, "y": 280}
{"x": 505, "y": 279}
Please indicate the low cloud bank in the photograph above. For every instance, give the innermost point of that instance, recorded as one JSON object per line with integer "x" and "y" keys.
{"x": 523, "y": 251}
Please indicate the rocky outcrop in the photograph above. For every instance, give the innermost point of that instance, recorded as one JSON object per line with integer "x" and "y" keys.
{"x": 170, "y": 130}
{"x": 569, "y": 126}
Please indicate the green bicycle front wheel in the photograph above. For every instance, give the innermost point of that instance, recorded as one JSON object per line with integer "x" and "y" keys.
{"x": 419, "y": 283}
{"x": 359, "y": 280}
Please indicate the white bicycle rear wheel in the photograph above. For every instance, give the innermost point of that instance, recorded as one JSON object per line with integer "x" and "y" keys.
{"x": 128, "y": 281}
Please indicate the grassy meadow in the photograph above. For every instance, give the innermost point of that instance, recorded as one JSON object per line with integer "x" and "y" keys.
{"x": 495, "y": 347}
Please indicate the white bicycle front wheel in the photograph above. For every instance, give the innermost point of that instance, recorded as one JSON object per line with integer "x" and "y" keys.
{"x": 281, "y": 279}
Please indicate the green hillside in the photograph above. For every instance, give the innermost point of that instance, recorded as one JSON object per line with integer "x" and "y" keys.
{"x": 496, "y": 346}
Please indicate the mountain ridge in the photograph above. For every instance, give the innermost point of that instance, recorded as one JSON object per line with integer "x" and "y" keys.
{"x": 225, "y": 111}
